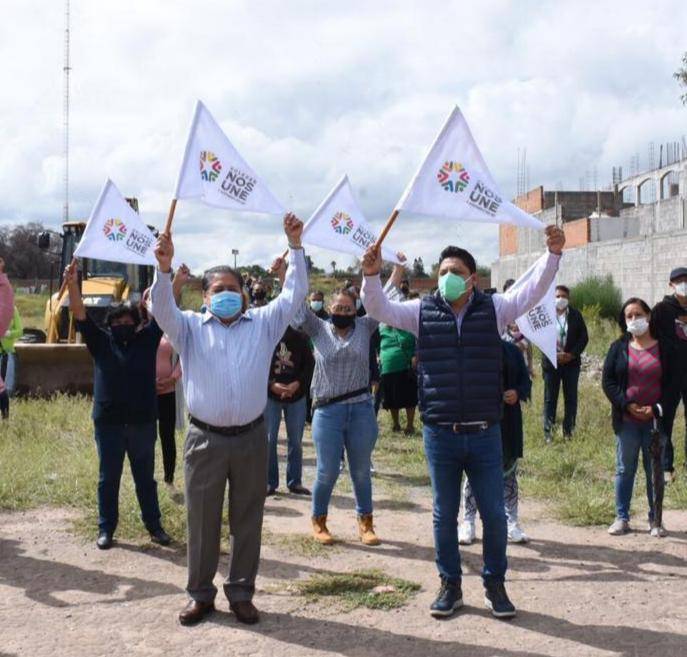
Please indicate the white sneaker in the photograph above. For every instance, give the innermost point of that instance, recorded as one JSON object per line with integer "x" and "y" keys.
{"x": 658, "y": 532}
{"x": 466, "y": 532}
{"x": 515, "y": 533}
{"x": 619, "y": 527}
{"x": 668, "y": 477}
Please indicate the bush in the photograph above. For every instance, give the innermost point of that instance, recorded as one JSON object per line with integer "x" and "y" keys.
{"x": 598, "y": 291}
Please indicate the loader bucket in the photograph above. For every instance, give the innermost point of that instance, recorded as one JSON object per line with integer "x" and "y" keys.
{"x": 44, "y": 369}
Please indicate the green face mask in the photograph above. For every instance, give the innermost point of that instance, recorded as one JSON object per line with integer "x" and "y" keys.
{"x": 452, "y": 286}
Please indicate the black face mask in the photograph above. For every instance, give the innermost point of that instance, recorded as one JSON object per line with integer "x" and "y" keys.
{"x": 343, "y": 321}
{"x": 259, "y": 295}
{"x": 123, "y": 332}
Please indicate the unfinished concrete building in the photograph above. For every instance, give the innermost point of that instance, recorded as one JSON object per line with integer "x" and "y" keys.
{"x": 637, "y": 233}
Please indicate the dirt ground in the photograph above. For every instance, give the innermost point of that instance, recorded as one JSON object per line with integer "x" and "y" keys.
{"x": 578, "y": 592}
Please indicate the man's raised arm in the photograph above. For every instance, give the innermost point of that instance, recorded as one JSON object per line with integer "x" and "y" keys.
{"x": 525, "y": 294}
{"x": 164, "y": 308}
{"x": 280, "y": 312}
{"x": 405, "y": 316}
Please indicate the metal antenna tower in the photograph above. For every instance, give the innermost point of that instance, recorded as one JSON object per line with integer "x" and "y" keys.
{"x": 66, "y": 68}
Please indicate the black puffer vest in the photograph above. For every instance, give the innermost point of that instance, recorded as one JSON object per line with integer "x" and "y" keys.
{"x": 460, "y": 377}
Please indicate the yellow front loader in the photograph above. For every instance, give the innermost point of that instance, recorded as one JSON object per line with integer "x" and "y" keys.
{"x": 62, "y": 363}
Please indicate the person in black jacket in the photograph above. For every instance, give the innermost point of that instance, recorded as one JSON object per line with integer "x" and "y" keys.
{"x": 572, "y": 340}
{"x": 290, "y": 375}
{"x": 637, "y": 379}
{"x": 670, "y": 319}
{"x": 124, "y": 408}
{"x": 517, "y": 388}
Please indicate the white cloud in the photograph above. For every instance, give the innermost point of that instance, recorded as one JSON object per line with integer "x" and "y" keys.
{"x": 310, "y": 90}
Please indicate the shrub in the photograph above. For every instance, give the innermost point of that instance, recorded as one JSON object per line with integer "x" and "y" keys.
{"x": 598, "y": 291}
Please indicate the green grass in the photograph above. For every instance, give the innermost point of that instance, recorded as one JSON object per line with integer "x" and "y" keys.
{"x": 357, "y": 589}
{"x": 301, "y": 545}
{"x": 48, "y": 457}
{"x": 32, "y": 309}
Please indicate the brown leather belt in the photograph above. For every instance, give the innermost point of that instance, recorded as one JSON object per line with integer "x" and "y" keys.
{"x": 225, "y": 431}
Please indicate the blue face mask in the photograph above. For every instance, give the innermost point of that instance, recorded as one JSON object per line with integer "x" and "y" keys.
{"x": 226, "y": 304}
{"x": 316, "y": 306}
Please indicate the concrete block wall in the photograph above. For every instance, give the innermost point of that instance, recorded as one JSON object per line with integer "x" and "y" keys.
{"x": 640, "y": 266}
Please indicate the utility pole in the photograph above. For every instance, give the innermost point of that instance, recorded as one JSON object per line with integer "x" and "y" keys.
{"x": 66, "y": 68}
{"x": 234, "y": 252}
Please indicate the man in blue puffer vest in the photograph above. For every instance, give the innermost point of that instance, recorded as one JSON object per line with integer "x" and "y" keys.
{"x": 460, "y": 395}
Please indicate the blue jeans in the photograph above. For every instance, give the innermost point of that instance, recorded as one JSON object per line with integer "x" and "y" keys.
{"x": 569, "y": 376}
{"x": 138, "y": 442}
{"x": 633, "y": 438}
{"x": 8, "y": 364}
{"x": 294, "y": 416}
{"x": 479, "y": 455}
{"x": 335, "y": 427}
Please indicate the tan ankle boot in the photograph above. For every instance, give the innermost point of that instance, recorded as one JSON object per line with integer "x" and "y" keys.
{"x": 320, "y": 532}
{"x": 366, "y": 530}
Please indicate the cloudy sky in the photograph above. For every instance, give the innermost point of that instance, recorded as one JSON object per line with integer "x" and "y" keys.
{"x": 309, "y": 90}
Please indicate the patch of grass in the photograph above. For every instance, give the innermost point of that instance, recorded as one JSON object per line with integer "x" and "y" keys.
{"x": 357, "y": 589}
{"x": 302, "y": 545}
{"x": 48, "y": 457}
{"x": 31, "y": 309}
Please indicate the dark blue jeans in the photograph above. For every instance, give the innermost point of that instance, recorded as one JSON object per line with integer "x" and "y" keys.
{"x": 569, "y": 376}
{"x": 634, "y": 438}
{"x": 138, "y": 442}
{"x": 294, "y": 417}
{"x": 480, "y": 456}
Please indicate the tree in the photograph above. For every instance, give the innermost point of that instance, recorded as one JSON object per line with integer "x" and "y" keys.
{"x": 333, "y": 264}
{"x": 681, "y": 76}
{"x": 419, "y": 268}
{"x": 19, "y": 248}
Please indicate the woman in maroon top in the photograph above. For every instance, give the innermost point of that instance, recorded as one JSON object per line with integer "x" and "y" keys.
{"x": 636, "y": 377}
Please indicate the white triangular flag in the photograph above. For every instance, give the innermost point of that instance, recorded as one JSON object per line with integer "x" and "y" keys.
{"x": 214, "y": 171}
{"x": 116, "y": 232}
{"x": 539, "y": 324}
{"x": 454, "y": 182}
{"x": 339, "y": 224}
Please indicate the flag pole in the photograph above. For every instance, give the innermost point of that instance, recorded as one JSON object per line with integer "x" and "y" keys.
{"x": 170, "y": 217}
{"x": 386, "y": 229}
{"x": 63, "y": 287}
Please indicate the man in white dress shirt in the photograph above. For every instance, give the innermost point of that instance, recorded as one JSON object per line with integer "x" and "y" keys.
{"x": 225, "y": 355}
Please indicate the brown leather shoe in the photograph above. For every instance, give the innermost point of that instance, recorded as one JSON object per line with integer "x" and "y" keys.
{"x": 245, "y": 612}
{"x": 195, "y": 611}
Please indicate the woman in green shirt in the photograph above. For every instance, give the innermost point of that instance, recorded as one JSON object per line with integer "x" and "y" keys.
{"x": 399, "y": 382}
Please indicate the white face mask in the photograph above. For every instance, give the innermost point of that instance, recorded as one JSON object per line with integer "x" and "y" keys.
{"x": 561, "y": 303}
{"x": 681, "y": 289}
{"x": 638, "y": 326}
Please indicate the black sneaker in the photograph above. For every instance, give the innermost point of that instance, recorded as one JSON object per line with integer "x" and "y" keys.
{"x": 160, "y": 536}
{"x": 496, "y": 599}
{"x": 104, "y": 541}
{"x": 448, "y": 600}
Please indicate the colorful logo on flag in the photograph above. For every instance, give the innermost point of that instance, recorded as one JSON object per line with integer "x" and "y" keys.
{"x": 115, "y": 230}
{"x": 453, "y": 177}
{"x": 210, "y": 166}
{"x": 342, "y": 223}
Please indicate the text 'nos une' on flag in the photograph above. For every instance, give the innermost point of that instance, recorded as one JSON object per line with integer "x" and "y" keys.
{"x": 116, "y": 232}
{"x": 339, "y": 224}
{"x": 539, "y": 324}
{"x": 454, "y": 182}
{"x": 213, "y": 171}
